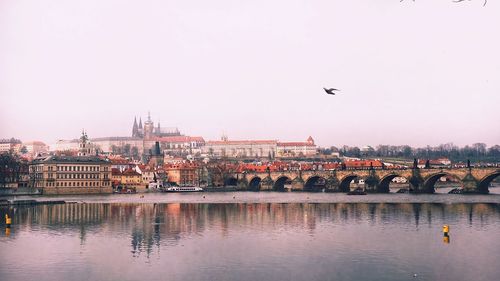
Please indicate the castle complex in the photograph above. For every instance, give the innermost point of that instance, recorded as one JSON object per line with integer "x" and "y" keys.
{"x": 149, "y": 131}
{"x": 148, "y": 141}
{"x": 142, "y": 143}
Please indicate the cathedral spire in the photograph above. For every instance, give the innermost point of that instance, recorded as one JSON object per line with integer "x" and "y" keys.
{"x": 140, "y": 123}
{"x": 135, "y": 130}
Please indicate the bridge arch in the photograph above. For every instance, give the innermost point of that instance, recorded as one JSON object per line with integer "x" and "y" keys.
{"x": 279, "y": 184}
{"x": 431, "y": 180}
{"x": 254, "y": 184}
{"x": 345, "y": 183}
{"x": 484, "y": 183}
{"x": 384, "y": 183}
{"x": 315, "y": 183}
{"x": 231, "y": 181}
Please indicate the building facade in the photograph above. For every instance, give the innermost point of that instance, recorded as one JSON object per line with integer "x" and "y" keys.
{"x": 181, "y": 145}
{"x": 131, "y": 179}
{"x": 296, "y": 149}
{"x": 240, "y": 148}
{"x": 70, "y": 175}
{"x": 36, "y": 147}
{"x": 184, "y": 174}
{"x": 10, "y": 145}
{"x": 119, "y": 145}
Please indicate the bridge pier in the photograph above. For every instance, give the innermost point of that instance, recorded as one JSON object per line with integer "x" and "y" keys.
{"x": 297, "y": 184}
{"x": 371, "y": 185}
{"x": 266, "y": 184}
{"x": 371, "y": 182}
{"x": 417, "y": 183}
{"x": 243, "y": 184}
{"x": 471, "y": 185}
{"x": 332, "y": 184}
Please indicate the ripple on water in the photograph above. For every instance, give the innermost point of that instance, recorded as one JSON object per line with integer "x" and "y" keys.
{"x": 243, "y": 241}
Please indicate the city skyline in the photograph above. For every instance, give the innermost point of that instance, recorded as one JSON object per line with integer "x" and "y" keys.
{"x": 224, "y": 135}
{"x": 253, "y": 71}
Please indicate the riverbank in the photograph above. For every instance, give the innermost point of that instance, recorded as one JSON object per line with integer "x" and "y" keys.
{"x": 30, "y": 202}
{"x": 19, "y": 191}
{"x": 266, "y": 197}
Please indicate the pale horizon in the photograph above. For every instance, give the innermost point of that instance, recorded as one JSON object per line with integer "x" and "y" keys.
{"x": 417, "y": 73}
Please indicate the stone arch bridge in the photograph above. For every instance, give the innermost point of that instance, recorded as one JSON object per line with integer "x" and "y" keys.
{"x": 473, "y": 180}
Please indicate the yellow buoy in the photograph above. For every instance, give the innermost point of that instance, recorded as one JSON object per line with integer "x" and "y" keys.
{"x": 446, "y": 238}
{"x": 8, "y": 220}
{"x": 446, "y": 229}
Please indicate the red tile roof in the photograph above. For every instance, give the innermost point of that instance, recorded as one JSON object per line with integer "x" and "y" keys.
{"x": 363, "y": 163}
{"x": 130, "y": 172}
{"x": 118, "y": 160}
{"x": 180, "y": 166}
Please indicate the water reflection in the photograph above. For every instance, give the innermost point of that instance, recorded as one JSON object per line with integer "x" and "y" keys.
{"x": 151, "y": 225}
{"x": 248, "y": 241}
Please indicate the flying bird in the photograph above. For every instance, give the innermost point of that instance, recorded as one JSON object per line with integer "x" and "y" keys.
{"x": 330, "y": 91}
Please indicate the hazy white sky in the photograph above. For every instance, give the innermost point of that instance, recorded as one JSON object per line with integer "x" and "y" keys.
{"x": 423, "y": 72}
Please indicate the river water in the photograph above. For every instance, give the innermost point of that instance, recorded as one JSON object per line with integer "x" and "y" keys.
{"x": 253, "y": 236}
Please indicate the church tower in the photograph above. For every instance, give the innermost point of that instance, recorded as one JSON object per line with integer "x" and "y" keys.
{"x": 135, "y": 128}
{"x": 148, "y": 128}
{"x": 85, "y": 147}
{"x": 158, "y": 128}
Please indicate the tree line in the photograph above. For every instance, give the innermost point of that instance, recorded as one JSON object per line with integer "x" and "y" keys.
{"x": 478, "y": 152}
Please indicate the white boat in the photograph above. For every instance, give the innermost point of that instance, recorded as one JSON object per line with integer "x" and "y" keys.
{"x": 184, "y": 189}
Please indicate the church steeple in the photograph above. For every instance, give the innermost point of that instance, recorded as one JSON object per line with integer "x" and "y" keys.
{"x": 84, "y": 145}
{"x": 135, "y": 130}
{"x": 148, "y": 128}
{"x": 140, "y": 123}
